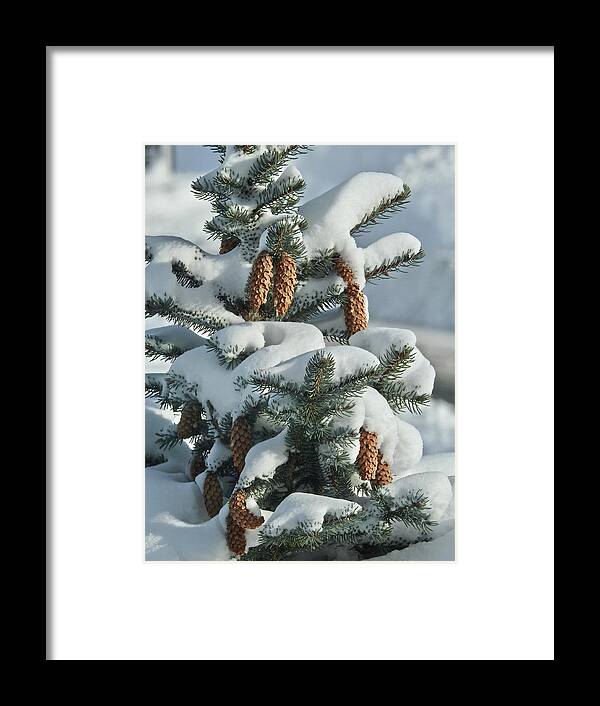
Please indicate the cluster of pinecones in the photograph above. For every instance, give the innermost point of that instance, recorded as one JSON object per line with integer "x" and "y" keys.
{"x": 238, "y": 521}
{"x": 355, "y": 309}
{"x": 371, "y": 464}
{"x": 281, "y": 275}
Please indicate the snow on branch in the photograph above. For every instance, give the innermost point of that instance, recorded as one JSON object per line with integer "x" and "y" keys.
{"x": 308, "y": 309}
{"x": 283, "y": 193}
{"x": 169, "y": 342}
{"x": 268, "y": 164}
{"x": 405, "y": 376}
{"x": 391, "y": 252}
{"x": 168, "y": 308}
{"x": 183, "y": 276}
{"x": 209, "y": 189}
{"x": 340, "y": 212}
{"x": 388, "y": 266}
{"x": 384, "y": 209}
{"x": 308, "y": 512}
{"x": 263, "y": 459}
{"x": 156, "y": 349}
{"x": 304, "y": 524}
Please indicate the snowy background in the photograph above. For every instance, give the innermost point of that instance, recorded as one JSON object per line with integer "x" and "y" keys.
{"x": 422, "y": 299}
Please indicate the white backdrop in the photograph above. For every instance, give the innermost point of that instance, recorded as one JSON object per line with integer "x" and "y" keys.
{"x": 495, "y": 601}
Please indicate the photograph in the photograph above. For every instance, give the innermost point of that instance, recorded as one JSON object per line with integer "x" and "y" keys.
{"x": 299, "y": 352}
{"x": 333, "y": 331}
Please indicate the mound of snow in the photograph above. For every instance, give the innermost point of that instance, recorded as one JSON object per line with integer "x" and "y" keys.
{"x": 332, "y": 215}
{"x": 263, "y": 459}
{"x": 420, "y": 375}
{"x": 307, "y": 510}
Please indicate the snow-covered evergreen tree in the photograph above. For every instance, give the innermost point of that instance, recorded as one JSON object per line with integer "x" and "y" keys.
{"x": 290, "y": 429}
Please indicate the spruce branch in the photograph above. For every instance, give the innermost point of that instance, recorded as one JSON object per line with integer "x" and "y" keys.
{"x": 340, "y": 437}
{"x": 177, "y": 391}
{"x": 388, "y": 380}
{"x": 334, "y": 460}
{"x": 385, "y": 269}
{"x": 219, "y": 230}
{"x": 266, "y": 383}
{"x": 219, "y": 150}
{"x": 319, "y": 373}
{"x": 231, "y": 183}
{"x": 176, "y": 381}
{"x": 341, "y": 530}
{"x": 282, "y": 237}
{"x": 282, "y": 195}
{"x": 219, "y": 426}
{"x": 371, "y": 526}
{"x": 235, "y": 305}
{"x": 208, "y": 189}
{"x": 305, "y": 311}
{"x": 166, "y": 440}
{"x": 384, "y": 209}
{"x": 336, "y": 336}
{"x": 394, "y": 362}
{"x": 267, "y": 165}
{"x": 157, "y": 348}
{"x": 400, "y": 399}
{"x": 238, "y": 215}
{"x": 154, "y": 389}
{"x": 168, "y": 308}
{"x": 412, "y": 509}
{"x": 230, "y": 356}
{"x": 318, "y": 267}
{"x": 355, "y": 384}
{"x": 183, "y": 276}
{"x": 153, "y": 386}
{"x": 277, "y": 416}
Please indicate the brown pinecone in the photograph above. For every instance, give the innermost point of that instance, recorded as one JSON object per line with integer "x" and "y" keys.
{"x": 213, "y": 495}
{"x": 228, "y": 244}
{"x": 240, "y": 513}
{"x": 355, "y": 310}
{"x": 190, "y": 420}
{"x": 241, "y": 442}
{"x": 344, "y": 270}
{"x": 383, "y": 475}
{"x": 236, "y": 537}
{"x": 367, "y": 455}
{"x": 197, "y": 465}
{"x": 261, "y": 278}
{"x": 284, "y": 283}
